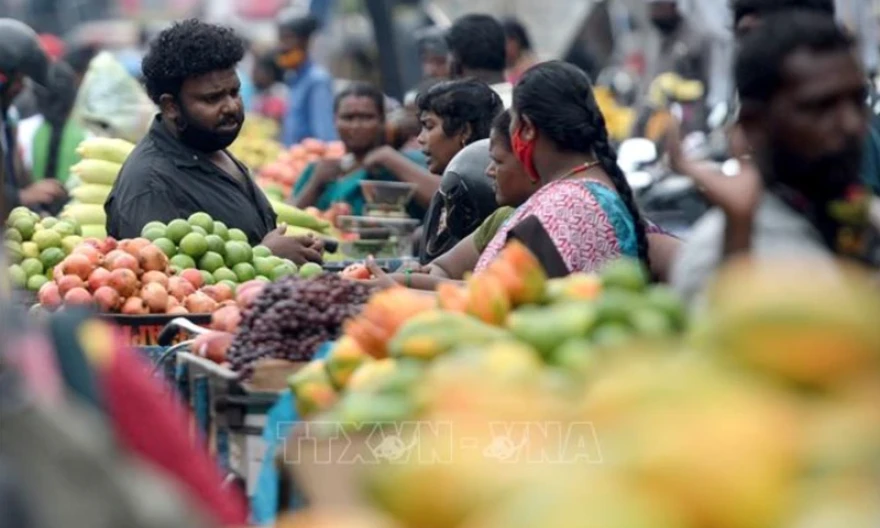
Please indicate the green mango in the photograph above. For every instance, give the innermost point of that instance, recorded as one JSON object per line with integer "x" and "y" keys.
{"x": 546, "y": 328}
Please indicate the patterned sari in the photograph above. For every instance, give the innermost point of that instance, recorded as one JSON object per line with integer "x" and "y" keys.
{"x": 587, "y": 222}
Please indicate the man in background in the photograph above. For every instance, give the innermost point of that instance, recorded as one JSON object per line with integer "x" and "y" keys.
{"x": 477, "y": 49}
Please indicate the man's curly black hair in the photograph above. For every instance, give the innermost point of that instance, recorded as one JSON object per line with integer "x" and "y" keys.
{"x": 188, "y": 49}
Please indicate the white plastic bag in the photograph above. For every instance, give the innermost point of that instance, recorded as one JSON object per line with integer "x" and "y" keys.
{"x": 111, "y": 103}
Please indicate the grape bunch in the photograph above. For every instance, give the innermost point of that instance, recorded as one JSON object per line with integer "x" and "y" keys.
{"x": 293, "y": 316}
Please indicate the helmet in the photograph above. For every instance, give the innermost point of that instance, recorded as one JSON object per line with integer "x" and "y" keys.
{"x": 20, "y": 51}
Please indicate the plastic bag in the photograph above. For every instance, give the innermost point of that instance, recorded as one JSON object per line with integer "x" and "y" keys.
{"x": 111, "y": 103}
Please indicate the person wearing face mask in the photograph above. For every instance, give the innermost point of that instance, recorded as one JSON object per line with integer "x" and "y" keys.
{"x": 182, "y": 166}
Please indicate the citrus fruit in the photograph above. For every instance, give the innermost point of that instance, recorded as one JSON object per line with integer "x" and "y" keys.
{"x": 48, "y": 222}
{"x": 13, "y": 251}
{"x": 154, "y": 223}
{"x": 199, "y": 230}
{"x": 625, "y": 274}
{"x": 50, "y": 257}
{"x": 177, "y": 229}
{"x": 284, "y": 270}
{"x": 231, "y": 284}
{"x": 65, "y": 228}
{"x": 167, "y": 246}
{"x": 263, "y": 266}
{"x": 216, "y": 244}
{"x": 13, "y": 235}
{"x": 237, "y": 252}
{"x": 183, "y": 261}
{"x": 309, "y": 269}
{"x": 237, "y": 234}
{"x": 32, "y": 266}
{"x": 25, "y": 226}
{"x": 211, "y": 262}
{"x": 30, "y": 249}
{"x": 35, "y": 282}
{"x": 263, "y": 278}
{"x": 17, "y": 276}
{"x": 202, "y": 220}
{"x": 262, "y": 251}
{"x": 69, "y": 243}
{"x": 194, "y": 245}
{"x": 225, "y": 274}
{"x": 153, "y": 233}
{"x": 244, "y": 272}
{"x": 276, "y": 261}
{"x": 19, "y": 212}
{"x": 208, "y": 278}
{"x": 221, "y": 230}
{"x": 47, "y": 238}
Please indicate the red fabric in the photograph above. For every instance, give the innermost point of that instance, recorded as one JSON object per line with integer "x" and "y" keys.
{"x": 52, "y": 45}
{"x": 155, "y": 426}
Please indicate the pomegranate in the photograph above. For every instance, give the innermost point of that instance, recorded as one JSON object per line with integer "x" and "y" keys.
{"x": 49, "y": 296}
{"x": 156, "y": 297}
{"x": 155, "y": 276}
{"x": 69, "y": 282}
{"x": 78, "y": 265}
{"x": 180, "y": 288}
{"x": 98, "y": 278}
{"x": 111, "y": 257}
{"x": 226, "y": 319}
{"x": 133, "y": 246}
{"x": 213, "y": 345}
{"x": 172, "y": 302}
{"x": 107, "y": 299}
{"x": 125, "y": 261}
{"x": 107, "y": 245}
{"x": 135, "y": 306}
{"x": 194, "y": 277}
{"x": 77, "y": 296}
{"x": 124, "y": 281}
{"x": 94, "y": 242}
{"x": 177, "y": 310}
{"x": 230, "y": 302}
{"x": 91, "y": 252}
{"x": 57, "y": 273}
{"x": 198, "y": 302}
{"x": 151, "y": 258}
{"x": 248, "y": 292}
{"x": 219, "y": 292}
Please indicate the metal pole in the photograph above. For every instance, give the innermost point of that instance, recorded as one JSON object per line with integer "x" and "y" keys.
{"x": 384, "y": 29}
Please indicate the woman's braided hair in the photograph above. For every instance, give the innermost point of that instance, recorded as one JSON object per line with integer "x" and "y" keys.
{"x": 558, "y": 98}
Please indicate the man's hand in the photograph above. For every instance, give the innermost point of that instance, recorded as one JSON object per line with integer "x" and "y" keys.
{"x": 298, "y": 249}
{"x": 41, "y": 193}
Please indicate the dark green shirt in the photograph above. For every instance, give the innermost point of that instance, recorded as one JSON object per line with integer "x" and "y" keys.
{"x": 490, "y": 226}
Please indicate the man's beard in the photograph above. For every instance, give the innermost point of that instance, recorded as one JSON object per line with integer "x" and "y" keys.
{"x": 203, "y": 139}
{"x": 820, "y": 179}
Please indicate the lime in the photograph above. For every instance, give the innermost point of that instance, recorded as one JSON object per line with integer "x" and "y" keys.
{"x": 177, "y": 229}
{"x": 14, "y": 235}
{"x": 30, "y": 250}
{"x": 183, "y": 261}
{"x": 65, "y": 228}
{"x": 232, "y": 285}
{"x": 262, "y": 251}
{"x": 35, "y": 282}
{"x": 13, "y": 251}
{"x": 263, "y": 278}
{"x": 216, "y": 244}
{"x": 32, "y": 266}
{"x": 18, "y": 276}
{"x": 263, "y": 266}
{"x": 47, "y": 238}
{"x": 237, "y": 234}
{"x": 202, "y": 220}
{"x": 194, "y": 245}
{"x": 625, "y": 274}
{"x": 276, "y": 261}
{"x": 167, "y": 246}
{"x": 25, "y": 226}
{"x": 221, "y": 230}
{"x": 199, "y": 230}
{"x": 50, "y": 257}
{"x": 611, "y": 335}
{"x": 48, "y": 222}
{"x": 237, "y": 252}
{"x": 154, "y": 223}
{"x": 284, "y": 270}
{"x": 244, "y": 272}
{"x": 19, "y": 212}
{"x": 309, "y": 270}
{"x": 207, "y": 278}
{"x": 225, "y": 274}
{"x": 153, "y": 233}
{"x": 38, "y": 227}
{"x": 69, "y": 243}
{"x": 211, "y": 262}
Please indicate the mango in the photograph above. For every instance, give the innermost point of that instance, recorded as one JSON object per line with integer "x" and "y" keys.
{"x": 345, "y": 357}
{"x": 487, "y": 299}
{"x": 546, "y": 328}
{"x": 452, "y": 297}
{"x": 312, "y": 389}
{"x": 526, "y": 266}
{"x": 433, "y": 333}
{"x": 625, "y": 274}
{"x": 575, "y": 287}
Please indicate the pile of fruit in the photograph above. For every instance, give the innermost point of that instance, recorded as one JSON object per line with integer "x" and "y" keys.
{"x": 278, "y": 177}
{"x": 34, "y": 246}
{"x": 763, "y": 414}
{"x": 292, "y": 317}
{"x": 91, "y": 181}
{"x": 255, "y": 145}
{"x": 219, "y": 253}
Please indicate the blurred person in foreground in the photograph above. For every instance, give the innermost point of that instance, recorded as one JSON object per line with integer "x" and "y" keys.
{"x": 803, "y": 122}
{"x": 518, "y": 47}
{"x": 360, "y": 122}
{"x": 182, "y": 166}
{"x": 477, "y": 49}
{"x": 310, "y": 101}
{"x": 21, "y": 57}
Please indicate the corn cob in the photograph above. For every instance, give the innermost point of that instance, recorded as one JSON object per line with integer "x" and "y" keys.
{"x": 86, "y": 214}
{"x": 106, "y": 149}
{"x": 96, "y": 171}
{"x": 91, "y": 193}
{"x": 293, "y": 216}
